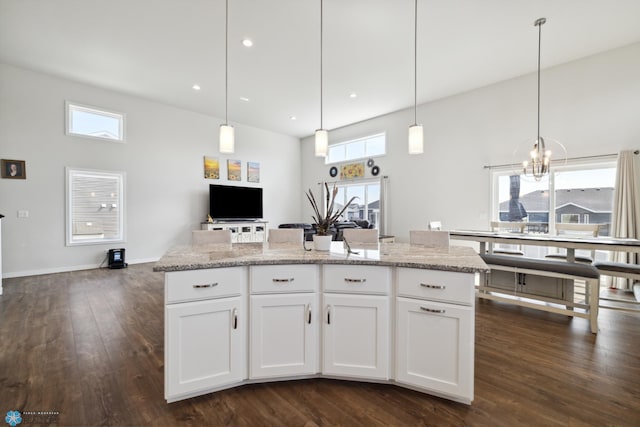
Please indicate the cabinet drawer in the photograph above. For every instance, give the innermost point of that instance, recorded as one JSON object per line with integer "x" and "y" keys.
{"x": 436, "y": 285}
{"x": 357, "y": 279}
{"x": 190, "y": 285}
{"x": 284, "y": 278}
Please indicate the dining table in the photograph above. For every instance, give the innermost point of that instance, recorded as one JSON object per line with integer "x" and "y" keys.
{"x": 487, "y": 238}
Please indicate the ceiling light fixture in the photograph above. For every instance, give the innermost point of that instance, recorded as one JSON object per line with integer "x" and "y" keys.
{"x": 195, "y": 87}
{"x": 416, "y": 137}
{"x": 227, "y": 139}
{"x": 540, "y": 156}
{"x": 244, "y": 98}
{"x": 353, "y": 95}
{"x": 322, "y": 136}
{"x": 247, "y": 43}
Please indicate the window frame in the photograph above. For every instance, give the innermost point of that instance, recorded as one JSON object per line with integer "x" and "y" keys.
{"x": 568, "y": 166}
{"x": 354, "y": 141}
{"x": 120, "y": 177}
{"x": 75, "y": 106}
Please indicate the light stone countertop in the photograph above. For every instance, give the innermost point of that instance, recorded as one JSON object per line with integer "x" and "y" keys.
{"x": 187, "y": 257}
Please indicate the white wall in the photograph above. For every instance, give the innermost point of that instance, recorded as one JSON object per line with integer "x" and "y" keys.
{"x": 166, "y": 194}
{"x": 591, "y": 105}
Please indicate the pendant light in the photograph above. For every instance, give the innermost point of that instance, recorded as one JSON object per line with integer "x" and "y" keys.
{"x": 322, "y": 136}
{"x": 227, "y": 139}
{"x": 416, "y": 136}
{"x": 538, "y": 165}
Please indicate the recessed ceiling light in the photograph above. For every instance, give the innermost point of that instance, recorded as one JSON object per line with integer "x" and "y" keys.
{"x": 353, "y": 95}
{"x": 196, "y": 87}
{"x": 244, "y": 98}
{"x": 292, "y": 117}
{"x": 247, "y": 42}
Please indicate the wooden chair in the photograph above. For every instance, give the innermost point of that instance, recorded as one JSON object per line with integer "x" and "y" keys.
{"x": 429, "y": 238}
{"x": 576, "y": 230}
{"x": 203, "y": 237}
{"x": 509, "y": 227}
{"x": 360, "y": 235}
{"x": 285, "y": 235}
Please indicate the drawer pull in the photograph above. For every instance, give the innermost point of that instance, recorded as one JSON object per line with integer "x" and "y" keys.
{"x": 283, "y": 280}
{"x": 328, "y": 315}
{"x": 208, "y": 285}
{"x": 346, "y": 279}
{"x": 426, "y": 285}
{"x": 432, "y": 310}
{"x": 309, "y": 313}
{"x": 235, "y": 318}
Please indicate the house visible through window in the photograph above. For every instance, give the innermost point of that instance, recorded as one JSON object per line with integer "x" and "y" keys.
{"x": 93, "y": 122}
{"x": 95, "y": 207}
{"x": 580, "y": 193}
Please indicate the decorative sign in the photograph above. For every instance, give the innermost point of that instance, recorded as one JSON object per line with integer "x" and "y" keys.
{"x": 352, "y": 170}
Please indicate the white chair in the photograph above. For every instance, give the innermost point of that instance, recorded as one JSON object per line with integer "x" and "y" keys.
{"x": 204, "y": 237}
{"x": 509, "y": 227}
{"x": 429, "y": 238}
{"x": 285, "y": 235}
{"x": 435, "y": 225}
{"x": 576, "y": 230}
{"x": 360, "y": 235}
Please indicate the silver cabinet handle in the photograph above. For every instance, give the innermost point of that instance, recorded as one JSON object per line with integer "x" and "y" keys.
{"x": 283, "y": 280}
{"x": 432, "y": 310}
{"x": 427, "y": 285}
{"x": 235, "y": 318}
{"x": 208, "y": 285}
{"x": 346, "y": 279}
{"x": 309, "y": 313}
{"x": 328, "y": 315}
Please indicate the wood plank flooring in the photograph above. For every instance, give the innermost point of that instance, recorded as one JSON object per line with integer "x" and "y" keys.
{"x": 89, "y": 345}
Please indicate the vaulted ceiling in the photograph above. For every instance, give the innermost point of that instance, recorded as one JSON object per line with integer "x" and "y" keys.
{"x": 158, "y": 49}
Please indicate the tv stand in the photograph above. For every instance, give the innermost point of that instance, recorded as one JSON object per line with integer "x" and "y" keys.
{"x": 248, "y": 231}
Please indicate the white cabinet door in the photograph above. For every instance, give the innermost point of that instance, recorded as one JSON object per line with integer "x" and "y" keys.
{"x": 284, "y": 335}
{"x": 434, "y": 347}
{"x": 356, "y": 336}
{"x": 204, "y": 346}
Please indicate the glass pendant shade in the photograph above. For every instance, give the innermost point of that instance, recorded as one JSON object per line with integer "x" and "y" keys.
{"x": 416, "y": 139}
{"x": 227, "y": 139}
{"x": 322, "y": 142}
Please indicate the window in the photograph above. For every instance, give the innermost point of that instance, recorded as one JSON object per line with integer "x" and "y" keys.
{"x": 578, "y": 192}
{"x": 95, "y": 207}
{"x": 361, "y": 148}
{"x": 92, "y": 122}
{"x": 366, "y": 207}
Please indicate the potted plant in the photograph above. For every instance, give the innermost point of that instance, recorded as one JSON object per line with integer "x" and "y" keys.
{"x": 323, "y": 223}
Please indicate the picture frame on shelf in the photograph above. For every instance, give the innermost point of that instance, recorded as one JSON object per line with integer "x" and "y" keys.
{"x": 13, "y": 169}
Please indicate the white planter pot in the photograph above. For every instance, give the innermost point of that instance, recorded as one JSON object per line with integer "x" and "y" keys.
{"x": 321, "y": 243}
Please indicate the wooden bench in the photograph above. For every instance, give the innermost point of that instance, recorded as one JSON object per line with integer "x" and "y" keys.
{"x": 521, "y": 267}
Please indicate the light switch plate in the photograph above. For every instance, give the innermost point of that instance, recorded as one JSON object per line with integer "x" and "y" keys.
{"x": 23, "y": 214}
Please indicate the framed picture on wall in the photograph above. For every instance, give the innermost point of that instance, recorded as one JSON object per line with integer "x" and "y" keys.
{"x": 211, "y": 167}
{"x": 234, "y": 170}
{"x": 253, "y": 172}
{"x": 14, "y": 169}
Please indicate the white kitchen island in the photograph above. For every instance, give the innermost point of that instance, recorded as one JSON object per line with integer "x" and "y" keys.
{"x": 390, "y": 313}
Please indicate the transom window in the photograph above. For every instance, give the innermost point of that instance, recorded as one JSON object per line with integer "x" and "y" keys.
{"x": 361, "y": 148}
{"x": 93, "y": 122}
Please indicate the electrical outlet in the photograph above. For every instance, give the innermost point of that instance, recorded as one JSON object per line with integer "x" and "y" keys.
{"x": 23, "y": 214}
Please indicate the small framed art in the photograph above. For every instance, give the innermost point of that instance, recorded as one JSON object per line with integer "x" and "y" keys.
{"x": 14, "y": 169}
{"x": 211, "y": 167}
{"x": 253, "y": 172}
{"x": 234, "y": 170}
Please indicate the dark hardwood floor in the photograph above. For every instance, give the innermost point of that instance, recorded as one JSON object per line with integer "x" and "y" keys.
{"x": 89, "y": 345}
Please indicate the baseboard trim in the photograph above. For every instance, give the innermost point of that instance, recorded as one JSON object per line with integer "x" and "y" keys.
{"x": 67, "y": 269}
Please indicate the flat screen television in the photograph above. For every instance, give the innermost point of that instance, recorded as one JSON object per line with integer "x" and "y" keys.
{"x": 227, "y": 202}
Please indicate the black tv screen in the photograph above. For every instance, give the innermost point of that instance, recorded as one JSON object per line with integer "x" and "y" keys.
{"x": 230, "y": 202}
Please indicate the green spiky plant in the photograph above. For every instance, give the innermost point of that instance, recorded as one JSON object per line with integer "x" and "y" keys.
{"x": 324, "y": 222}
